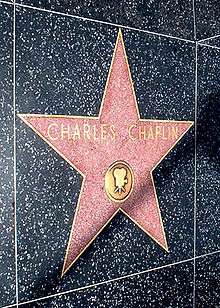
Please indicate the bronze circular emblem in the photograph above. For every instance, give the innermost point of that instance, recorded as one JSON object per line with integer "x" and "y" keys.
{"x": 119, "y": 181}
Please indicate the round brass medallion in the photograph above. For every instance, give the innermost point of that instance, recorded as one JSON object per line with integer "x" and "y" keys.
{"x": 119, "y": 181}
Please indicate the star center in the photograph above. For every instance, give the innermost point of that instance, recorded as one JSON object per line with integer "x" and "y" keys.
{"x": 119, "y": 181}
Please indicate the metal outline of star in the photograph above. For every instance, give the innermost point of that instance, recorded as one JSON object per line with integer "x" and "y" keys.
{"x": 22, "y": 117}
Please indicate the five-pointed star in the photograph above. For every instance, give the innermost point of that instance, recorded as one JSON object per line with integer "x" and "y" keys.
{"x": 92, "y": 144}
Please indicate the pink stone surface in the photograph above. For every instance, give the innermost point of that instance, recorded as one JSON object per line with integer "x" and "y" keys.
{"x": 92, "y": 159}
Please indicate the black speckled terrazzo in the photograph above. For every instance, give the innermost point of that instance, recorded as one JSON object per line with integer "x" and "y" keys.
{"x": 167, "y": 288}
{"x": 207, "y": 281}
{"x": 208, "y": 153}
{"x": 207, "y": 18}
{"x": 7, "y": 256}
{"x": 214, "y": 42}
{"x": 167, "y": 17}
{"x": 62, "y": 69}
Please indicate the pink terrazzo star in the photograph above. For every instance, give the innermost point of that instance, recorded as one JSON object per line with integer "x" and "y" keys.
{"x": 92, "y": 144}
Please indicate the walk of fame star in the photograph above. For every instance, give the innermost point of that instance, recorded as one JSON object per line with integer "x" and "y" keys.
{"x": 115, "y": 153}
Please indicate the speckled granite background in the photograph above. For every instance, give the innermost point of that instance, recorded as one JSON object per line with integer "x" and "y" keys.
{"x": 7, "y": 252}
{"x": 169, "y": 287}
{"x": 62, "y": 64}
{"x": 208, "y": 151}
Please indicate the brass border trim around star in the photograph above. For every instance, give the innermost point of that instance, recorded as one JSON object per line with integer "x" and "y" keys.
{"x": 22, "y": 117}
